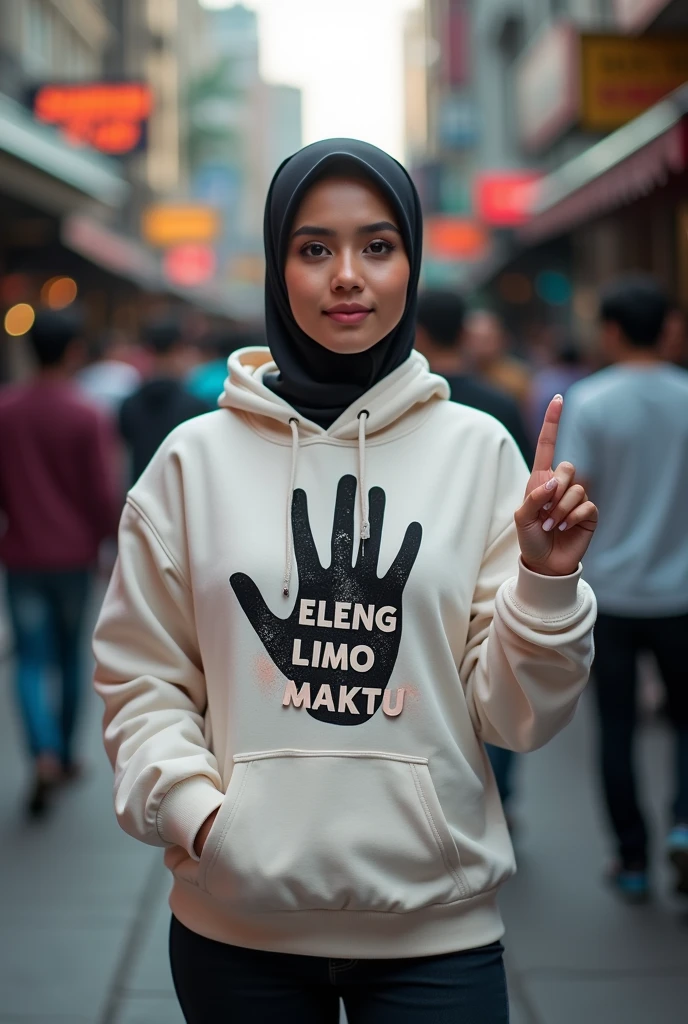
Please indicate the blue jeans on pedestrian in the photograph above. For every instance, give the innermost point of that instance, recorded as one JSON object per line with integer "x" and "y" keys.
{"x": 217, "y": 982}
{"x": 48, "y": 611}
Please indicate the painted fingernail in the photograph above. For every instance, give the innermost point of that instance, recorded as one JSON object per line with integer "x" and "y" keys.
{"x": 551, "y": 484}
{"x": 547, "y": 525}
{"x": 562, "y": 526}
{"x": 559, "y": 398}
{"x": 547, "y": 507}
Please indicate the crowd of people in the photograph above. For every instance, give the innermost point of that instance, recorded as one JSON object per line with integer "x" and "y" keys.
{"x": 87, "y": 425}
{"x": 77, "y": 435}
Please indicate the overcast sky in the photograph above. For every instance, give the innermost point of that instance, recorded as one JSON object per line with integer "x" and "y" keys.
{"x": 347, "y": 58}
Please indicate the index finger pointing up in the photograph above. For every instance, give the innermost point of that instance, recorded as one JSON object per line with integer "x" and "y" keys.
{"x": 544, "y": 453}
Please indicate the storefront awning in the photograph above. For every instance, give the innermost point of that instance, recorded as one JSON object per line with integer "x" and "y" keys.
{"x": 626, "y": 165}
{"x": 41, "y": 148}
{"x": 131, "y": 260}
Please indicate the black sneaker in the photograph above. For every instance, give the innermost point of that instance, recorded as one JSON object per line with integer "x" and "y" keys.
{"x": 40, "y": 798}
{"x": 677, "y": 852}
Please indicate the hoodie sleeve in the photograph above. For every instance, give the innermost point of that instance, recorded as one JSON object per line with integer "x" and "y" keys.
{"x": 150, "y": 675}
{"x": 530, "y": 647}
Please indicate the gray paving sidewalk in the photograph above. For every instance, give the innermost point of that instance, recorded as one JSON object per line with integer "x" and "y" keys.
{"x": 83, "y": 929}
{"x": 575, "y": 954}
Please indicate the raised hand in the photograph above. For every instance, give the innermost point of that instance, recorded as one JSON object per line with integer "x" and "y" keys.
{"x": 342, "y": 636}
{"x": 556, "y": 521}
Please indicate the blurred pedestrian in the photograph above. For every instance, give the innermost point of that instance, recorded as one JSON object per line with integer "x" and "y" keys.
{"x": 674, "y": 343}
{"x": 59, "y": 500}
{"x": 486, "y": 349}
{"x": 301, "y": 723}
{"x": 108, "y": 379}
{"x": 567, "y": 367}
{"x": 440, "y": 338}
{"x": 207, "y": 379}
{"x": 162, "y": 402}
{"x": 626, "y": 429}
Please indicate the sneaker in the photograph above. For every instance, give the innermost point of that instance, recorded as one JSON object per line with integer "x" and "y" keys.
{"x": 39, "y": 800}
{"x": 632, "y": 885}
{"x": 677, "y": 852}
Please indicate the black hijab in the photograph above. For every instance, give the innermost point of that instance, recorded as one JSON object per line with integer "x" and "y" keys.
{"x": 318, "y": 383}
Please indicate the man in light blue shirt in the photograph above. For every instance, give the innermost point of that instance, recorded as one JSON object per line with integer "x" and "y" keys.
{"x": 626, "y": 430}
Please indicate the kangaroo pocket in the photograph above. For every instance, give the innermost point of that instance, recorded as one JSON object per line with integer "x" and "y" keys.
{"x": 331, "y": 830}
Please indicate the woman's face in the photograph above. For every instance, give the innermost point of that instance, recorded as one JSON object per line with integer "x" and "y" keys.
{"x": 346, "y": 269}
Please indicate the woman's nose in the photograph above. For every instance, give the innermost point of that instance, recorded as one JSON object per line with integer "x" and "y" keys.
{"x": 346, "y": 274}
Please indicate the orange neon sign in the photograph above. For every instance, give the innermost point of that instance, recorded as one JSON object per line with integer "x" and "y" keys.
{"x": 459, "y": 238}
{"x": 109, "y": 116}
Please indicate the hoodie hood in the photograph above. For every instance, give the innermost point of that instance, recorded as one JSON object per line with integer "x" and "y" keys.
{"x": 379, "y": 410}
{"x": 410, "y": 385}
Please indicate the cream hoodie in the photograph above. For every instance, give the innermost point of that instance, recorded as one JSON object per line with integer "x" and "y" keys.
{"x": 338, "y": 727}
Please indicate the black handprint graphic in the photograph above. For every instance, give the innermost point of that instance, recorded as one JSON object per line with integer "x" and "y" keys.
{"x": 340, "y": 643}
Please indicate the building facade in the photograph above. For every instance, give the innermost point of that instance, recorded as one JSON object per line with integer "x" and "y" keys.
{"x": 586, "y": 96}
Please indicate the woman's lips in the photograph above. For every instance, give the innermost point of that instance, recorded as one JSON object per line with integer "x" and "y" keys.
{"x": 357, "y": 317}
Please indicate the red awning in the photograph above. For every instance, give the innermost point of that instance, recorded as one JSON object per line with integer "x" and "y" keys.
{"x": 628, "y": 164}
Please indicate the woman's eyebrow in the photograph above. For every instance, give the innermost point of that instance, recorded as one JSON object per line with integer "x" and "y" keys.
{"x": 380, "y": 225}
{"x": 310, "y": 229}
{"x": 365, "y": 229}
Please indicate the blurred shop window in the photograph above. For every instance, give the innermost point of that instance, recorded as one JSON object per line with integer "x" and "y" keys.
{"x": 51, "y": 44}
{"x": 37, "y": 35}
{"x": 511, "y": 40}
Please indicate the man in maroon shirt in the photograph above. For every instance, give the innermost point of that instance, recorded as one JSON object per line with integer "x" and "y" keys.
{"x": 58, "y": 501}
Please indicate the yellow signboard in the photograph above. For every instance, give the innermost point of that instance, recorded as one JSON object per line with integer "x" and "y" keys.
{"x": 624, "y": 75}
{"x": 167, "y": 225}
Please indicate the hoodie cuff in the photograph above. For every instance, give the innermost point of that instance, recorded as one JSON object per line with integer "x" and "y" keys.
{"x": 549, "y": 598}
{"x": 184, "y": 809}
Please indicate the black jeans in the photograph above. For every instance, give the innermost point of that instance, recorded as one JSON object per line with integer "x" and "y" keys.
{"x": 218, "y": 983}
{"x": 618, "y": 641}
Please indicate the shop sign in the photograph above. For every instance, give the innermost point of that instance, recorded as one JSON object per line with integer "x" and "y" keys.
{"x": 109, "y": 116}
{"x": 457, "y": 122}
{"x": 624, "y": 75}
{"x": 116, "y": 253}
{"x": 190, "y": 265}
{"x": 635, "y": 15}
{"x": 455, "y": 238}
{"x": 505, "y": 199}
{"x": 455, "y": 44}
{"x": 547, "y": 86}
{"x": 166, "y": 224}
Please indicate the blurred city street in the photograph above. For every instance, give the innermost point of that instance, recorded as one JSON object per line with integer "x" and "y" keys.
{"x": 85, "y": 917}
{"x": 308, "y": 220}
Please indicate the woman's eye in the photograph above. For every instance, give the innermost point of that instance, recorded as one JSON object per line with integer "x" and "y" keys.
{"x": 315, "y": 249}
{"x": 379, "y": 247}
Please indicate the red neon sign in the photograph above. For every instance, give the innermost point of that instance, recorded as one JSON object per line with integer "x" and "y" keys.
{"x": 190, "y": 265}
{"x": 505, "y": 199}
{"x": 106, "y": 115}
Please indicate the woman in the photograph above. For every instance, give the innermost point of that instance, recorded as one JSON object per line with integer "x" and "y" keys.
{"x": 317, "y": 617}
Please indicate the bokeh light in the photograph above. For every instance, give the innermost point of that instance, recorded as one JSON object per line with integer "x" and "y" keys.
{"x": 553, "y": 287}
{"x": 59, "y": 292}
{"x": 515, "y": 288}
{"x": 19, "y": 319}
{"x": 585, "y": 303}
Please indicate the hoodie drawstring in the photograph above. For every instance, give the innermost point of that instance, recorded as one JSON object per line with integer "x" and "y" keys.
{"x": 294, "y": 424}
{"x": 363, "y": 490}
